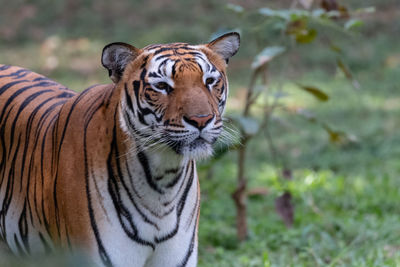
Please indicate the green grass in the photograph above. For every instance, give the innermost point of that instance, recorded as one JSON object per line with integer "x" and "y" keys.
{"x": 341, "y": 219}
{"x": 346, "y": 196}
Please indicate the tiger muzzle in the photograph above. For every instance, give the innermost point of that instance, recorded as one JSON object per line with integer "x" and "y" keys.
{"x": 199, "y": 121}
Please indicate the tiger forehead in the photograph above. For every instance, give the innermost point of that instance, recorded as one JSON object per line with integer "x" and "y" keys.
{"x": 176, "y": 52}
{"x": 169, "y": 60}
{"x": 174, "y": 47}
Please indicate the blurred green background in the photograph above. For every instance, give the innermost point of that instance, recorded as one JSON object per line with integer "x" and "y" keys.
{"x": 345, "y": 194}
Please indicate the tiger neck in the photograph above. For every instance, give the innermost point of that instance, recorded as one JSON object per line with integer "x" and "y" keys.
{"x": 156, "y": 180}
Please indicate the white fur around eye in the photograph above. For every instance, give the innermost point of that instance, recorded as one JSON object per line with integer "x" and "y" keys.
{"x": 164, "y": 73}
{"x": 154, "y": 81}
{"x": 213, "y": 75}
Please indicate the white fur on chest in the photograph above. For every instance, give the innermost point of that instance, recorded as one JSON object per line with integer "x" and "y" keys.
{"x": 161, "y": 229}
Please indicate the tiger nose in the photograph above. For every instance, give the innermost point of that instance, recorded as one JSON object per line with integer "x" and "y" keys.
{"x": 199, "y": 121}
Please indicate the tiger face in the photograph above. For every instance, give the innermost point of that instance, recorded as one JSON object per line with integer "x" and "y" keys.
{"x": 173, "y": 94}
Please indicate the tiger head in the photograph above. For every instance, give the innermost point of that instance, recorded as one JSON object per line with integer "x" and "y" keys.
{"x": 172, "y": 94}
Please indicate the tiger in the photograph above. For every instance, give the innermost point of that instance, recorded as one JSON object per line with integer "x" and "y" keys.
{"x": 111, "y": 170}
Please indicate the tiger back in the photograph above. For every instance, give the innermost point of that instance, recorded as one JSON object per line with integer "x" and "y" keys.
{"x": 111, "y": 171}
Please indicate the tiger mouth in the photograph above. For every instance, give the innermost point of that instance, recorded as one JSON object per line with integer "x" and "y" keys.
{"x": 198, "y": 145}
{"x": 199, "y": 141}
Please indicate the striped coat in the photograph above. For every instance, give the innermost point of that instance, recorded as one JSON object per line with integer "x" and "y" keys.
{"x": 111, "y": 171}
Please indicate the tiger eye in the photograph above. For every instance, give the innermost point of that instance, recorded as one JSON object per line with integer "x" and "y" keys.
{"x": 162, "y": 85}
{"x": 209, "y": 81}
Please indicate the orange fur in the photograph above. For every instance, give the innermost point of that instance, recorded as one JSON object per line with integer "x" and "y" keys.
{"x": 62, "y": 152}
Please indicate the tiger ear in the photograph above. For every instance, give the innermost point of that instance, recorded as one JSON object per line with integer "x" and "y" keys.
{"x": 116, "y": 56}
{"x": 226, "y": 45}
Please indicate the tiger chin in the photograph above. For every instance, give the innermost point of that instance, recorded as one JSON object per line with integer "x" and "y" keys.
{"x": 111, "y": 171}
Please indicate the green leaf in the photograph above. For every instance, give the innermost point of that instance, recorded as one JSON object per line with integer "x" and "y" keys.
{"x": 235, "y": 8}
{"x": 316, "y": 92}
{"x": 335, "y": 137}
{"x": 333, "y": 14}
{"x": 266, "y": 55}
{"x": 353, "y": 23}
{"x": 306, "y": 36}
{"x": 286, "y": 14}
{"x": 335, "y": 48}
{"x": 339, "y": 137}
{"x": 365, "y": 10}
{"x": 248, "y": 125}
{"x": 297, "y": 26}
{"x": 274, "y": 13}
{"x": 266, "y": 260}
{"x": 299, "y": 29}
{"x": 346, "y": 71}
{"x": 318, "y": 13}
{"x": 296, "y": 14}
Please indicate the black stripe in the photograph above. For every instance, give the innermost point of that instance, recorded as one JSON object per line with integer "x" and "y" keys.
{"x": 102, "y": 252}
{"x": 144, "y": 217}
{"x": 180, "y": 206}
{"x": 144, "y": 62}
{"x": 43, "y": 142}
{"x": 143, "y": 111}
{"x": 129, "y": 122}
{"x": 136, "y": 88}
{"x": 174, "y": 69}
{"x": 128, "y": 98}
{"x": 23, "y": 228}
{"x": 177, "y": 131}
{"x": 169, "y": 235}
{"x": 147, "y": 172}
{"x": 2, "y": 136}
{"x": 4, "y": 67}
{"x": 17, "y": 93}
{"x": 8, "y": 85}
{"x": 175, "y": 180}
{"x": 10, "y": 183}
{"x": 30, "y": 168}
{"x": 191, "y": 246}
{"x": 46, "y": 246}
{"x": 41, "y": 79}
{"x": 154, "y": 75}
{"x": 162, "y": 64}
{"x": 187, "y": 169}
{"x": 77, "y": 100}
{"x": 19, "y": 248}
{"x": 158, "y": 51}
{"x": 124, "y": 216}
{"x": 21, "y": 108}
{"x": 182, "y": 200}
{"x": 163, "y": 56}
{"x": 39, "y": 126}
{"x": 17, "y": 75}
